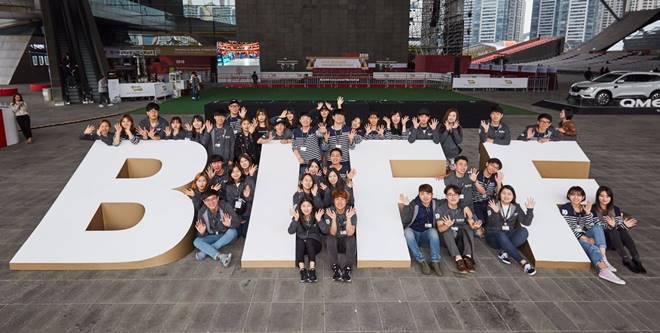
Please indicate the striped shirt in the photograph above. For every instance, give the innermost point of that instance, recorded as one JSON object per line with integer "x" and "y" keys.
{"x": 307, "y": 144}
{"x": 614, "y": 212}
{"x": 487, "y": 183}
{"x": 338, "y": 139}
{"x": 578, "y": 222}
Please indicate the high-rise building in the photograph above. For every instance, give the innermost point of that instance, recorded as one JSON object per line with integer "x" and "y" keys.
{"x": 575, "y": 20}
{"x": 605, "y": 18}
{"x": 634, "y": 5}
{"x": 496, "y": 20}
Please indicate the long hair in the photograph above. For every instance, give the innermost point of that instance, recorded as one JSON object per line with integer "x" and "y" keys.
{"x": 128, "y": 116}
{"x": 194, "y": 183}
{"x": 396, "y": 129}
{"x": 300, "y": 213}
{"x": 262, "y": 111}
{"x": 341, "y": 184}
{"x": 609, "y": 192}
{"x": 13, "y": 99}
{"x": 446, "y": 116}
{"x": 300, "y": 186}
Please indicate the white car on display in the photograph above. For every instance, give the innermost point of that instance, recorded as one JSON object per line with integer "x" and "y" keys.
{"x": 603, "y": 89}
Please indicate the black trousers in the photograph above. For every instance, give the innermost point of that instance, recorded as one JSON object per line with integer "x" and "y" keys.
{"x": 310, "y": 247}
{"x": 620, "y": 239}
{"x": 335, "y": 245}
{"x": 24, "y": 124}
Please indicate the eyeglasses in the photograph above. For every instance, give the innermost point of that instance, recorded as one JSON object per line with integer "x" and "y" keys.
{"x": 544, "y": 121}
{"x": 452, "y": 194}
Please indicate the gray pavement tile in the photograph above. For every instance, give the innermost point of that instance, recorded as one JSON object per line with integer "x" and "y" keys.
{"x": 201, "y": 317}
{"x": 556, "y": 316}
{"x": 446, "y": 316}
{"x": 492, "y": 290}
{"x": 178, "y": 317}
{"x": 424, "y": 316}
{"x": 289, "y": 291}
{"x": 472, "y": 289}
{"x": 386, "y": 289}
{"x": 285, "y": 317}
{"x": 514, "y": 319}
{"x": 432, "y": 288}
{"x": 313, "y": 317}
{"x": 263, "y": 291}
{"x": 396, "y": 316}
{"x": 534, "y": 316}
{"x": 132, "y": 318}
{"x": 468, "y": 316}
{"x": 257, "y": 317}
{"x": 341, "y": 317}
{"x": 490, "y": 317}
{"x": 369, "y": 318}
{"x": 582, "y": 317}
{"x": 229, "y": 317}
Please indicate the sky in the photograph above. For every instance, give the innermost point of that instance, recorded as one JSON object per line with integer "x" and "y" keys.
{"x": 528, "y": 15}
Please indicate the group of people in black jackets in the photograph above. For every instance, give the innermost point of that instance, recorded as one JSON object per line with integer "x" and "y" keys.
{"x": 476, "y": 203}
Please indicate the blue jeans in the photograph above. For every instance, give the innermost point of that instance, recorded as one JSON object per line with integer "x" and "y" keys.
{"x": 430, "y": 236}
{"x": 593, "y": 251}
{"x": 211, "y": 244}
{"x": 508, "y": 241}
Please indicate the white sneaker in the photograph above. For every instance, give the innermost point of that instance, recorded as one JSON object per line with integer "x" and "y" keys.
{"x": 100, "y": 105}
{"x": 225, "y": 259}
{"x": 529, "y": 269}
{"x": 110, "y": 104}
{"x": 608, "y": 275}
{"x": 504, "y": 257}
{"x": 609, "y": 266}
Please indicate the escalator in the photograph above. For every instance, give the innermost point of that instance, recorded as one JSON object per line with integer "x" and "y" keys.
{"x": 70, "y": 30}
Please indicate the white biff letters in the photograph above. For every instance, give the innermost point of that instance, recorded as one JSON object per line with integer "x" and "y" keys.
{"x": 62, "y": 239}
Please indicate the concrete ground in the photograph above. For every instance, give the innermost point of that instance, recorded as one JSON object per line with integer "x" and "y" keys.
{"x": 202, "y": 296}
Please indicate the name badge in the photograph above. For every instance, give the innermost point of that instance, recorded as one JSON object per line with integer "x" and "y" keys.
{"x": 218, "y": 145}
{"x": 303, "y": 148}
{"x": 505, "y": 227}
{"x": 461, "y": 196}
{"x": 343, "y": 232}
{"x": 454, "y": 228}
{"x": 437, "y": 216}
{"x": 238, "y": 204}
{"x": 428, "y": 225}
{"x": 338, "y": 146}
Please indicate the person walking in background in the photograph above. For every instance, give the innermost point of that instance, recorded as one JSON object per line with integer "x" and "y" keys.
{"x": 195, "y": 85}
{"x": 19, "y": 108}
{"x": 103, "y": 92}
{"x": 255, "y": 78}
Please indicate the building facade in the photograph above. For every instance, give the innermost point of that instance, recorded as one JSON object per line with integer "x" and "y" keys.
{"x": 496, "y": 20}
{"x": 575, "y": 20}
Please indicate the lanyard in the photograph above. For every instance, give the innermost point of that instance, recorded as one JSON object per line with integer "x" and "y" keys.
{"x": 504, "y": 214}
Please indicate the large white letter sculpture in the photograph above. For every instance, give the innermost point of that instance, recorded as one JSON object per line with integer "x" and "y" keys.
{"x": 545, "y": 171}
{"x": 384, "y": 169}
{"x": 119, "y": 210}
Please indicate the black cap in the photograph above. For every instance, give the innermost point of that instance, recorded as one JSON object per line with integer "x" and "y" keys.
{"x": 216, "y": 158}
{"x": 220, "y": 112}
{"x": 234, "y": 101}
{"x": 209, "y": 193}
{"x": 423, "y": 111}
{"x": 277, "y": 120}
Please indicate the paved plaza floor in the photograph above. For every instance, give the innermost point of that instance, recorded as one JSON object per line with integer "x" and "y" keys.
{"x": 202, "y": 296}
